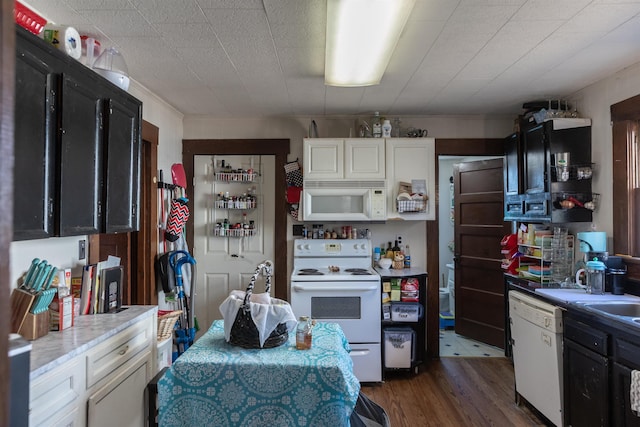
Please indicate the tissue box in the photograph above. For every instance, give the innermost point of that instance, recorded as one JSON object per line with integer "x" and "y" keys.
{"x": 61, "y": 313}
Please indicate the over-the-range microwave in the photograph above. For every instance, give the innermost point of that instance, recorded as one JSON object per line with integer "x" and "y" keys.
{"x": 344, "y": 200}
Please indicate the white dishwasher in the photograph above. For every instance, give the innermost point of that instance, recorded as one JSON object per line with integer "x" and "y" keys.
{"x": 536, "y": 334}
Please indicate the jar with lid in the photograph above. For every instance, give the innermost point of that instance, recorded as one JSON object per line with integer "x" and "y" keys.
{"x": 304, "y": 335}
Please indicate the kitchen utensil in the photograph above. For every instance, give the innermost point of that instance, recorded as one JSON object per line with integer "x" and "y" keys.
{"x": 30, "y": 273}
{"x": 42, "y": 276}
{"x": 43, "y": 300}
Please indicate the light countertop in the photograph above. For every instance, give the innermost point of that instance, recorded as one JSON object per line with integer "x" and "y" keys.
{"x": 568, "y": 296}
{"x": 391, "y": 272}
{"x": 56, "y": 348}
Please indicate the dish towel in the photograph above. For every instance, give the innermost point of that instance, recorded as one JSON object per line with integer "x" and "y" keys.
{"x": 635, "y": 392}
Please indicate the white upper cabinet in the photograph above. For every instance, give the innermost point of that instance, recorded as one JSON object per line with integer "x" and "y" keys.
{"x": 410, "y": 159}
{"x": 364, "y": 158}
{"x": 339, "y": 158}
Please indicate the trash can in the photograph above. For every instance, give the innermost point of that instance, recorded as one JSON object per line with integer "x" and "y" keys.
{"x": 367, "y": 413}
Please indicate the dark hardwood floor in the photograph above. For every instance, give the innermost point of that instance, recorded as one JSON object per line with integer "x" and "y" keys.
{"x": 475, "y": 391}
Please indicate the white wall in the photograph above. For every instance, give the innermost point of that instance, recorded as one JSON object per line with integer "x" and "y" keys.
{"x": 595, "y": 101}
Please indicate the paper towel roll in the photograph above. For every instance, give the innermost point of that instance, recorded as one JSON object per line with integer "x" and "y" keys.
{"x": 67, "y": 39}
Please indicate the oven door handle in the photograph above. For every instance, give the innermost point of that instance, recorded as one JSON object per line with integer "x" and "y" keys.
{"x": 343, "y": 288}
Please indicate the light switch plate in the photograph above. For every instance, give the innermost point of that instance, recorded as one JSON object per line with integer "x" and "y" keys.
{"x": 82, "y": 249}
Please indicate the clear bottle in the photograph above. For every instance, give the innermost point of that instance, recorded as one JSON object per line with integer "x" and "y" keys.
{"x": 386, "y": 129}
{"x": 304, "y": 336}
{"x": 407, "y": 257}
{"x": 376, "y": 125}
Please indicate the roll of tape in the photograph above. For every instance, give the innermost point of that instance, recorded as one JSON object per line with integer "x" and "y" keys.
{"x": 66, "y": 39}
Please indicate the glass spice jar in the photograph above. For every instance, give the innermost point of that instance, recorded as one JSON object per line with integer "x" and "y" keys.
{"x": 304, "y": 333}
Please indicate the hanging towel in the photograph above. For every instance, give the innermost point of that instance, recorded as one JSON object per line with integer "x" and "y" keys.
{"x": 635, "y": 392}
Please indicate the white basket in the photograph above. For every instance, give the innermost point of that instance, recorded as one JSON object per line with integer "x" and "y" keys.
{"x": 406, "y": 206}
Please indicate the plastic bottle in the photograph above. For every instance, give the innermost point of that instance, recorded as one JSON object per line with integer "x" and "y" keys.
{"x": 304, "y": 337}
{"x": 376, "y": 255}
{"x": 407, "y": 257}
{"x": 376, "y": 126}
{"x": 386, "y": 129}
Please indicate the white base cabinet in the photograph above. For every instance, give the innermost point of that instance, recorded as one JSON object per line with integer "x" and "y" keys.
{"x": 103, "y": 386}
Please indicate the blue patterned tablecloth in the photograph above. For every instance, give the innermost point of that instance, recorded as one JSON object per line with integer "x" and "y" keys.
{"x": 216, "y": 384}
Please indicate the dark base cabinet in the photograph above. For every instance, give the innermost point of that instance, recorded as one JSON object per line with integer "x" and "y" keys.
{"x": 599, "y": 355}
{"x": 586, "y": 386}
{"x": 77, "y": 147}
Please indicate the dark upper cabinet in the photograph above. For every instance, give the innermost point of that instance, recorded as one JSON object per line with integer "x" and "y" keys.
{"x": 535, "y": 161}
{"x": 121, "y": 193}
{"x": 77, "y": 147}
{"x": 80, "y": 157}
{"x": 34, "y": 174}
{"x": 542, "y": 192}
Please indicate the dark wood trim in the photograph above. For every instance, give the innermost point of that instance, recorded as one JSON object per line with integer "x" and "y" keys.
{"x": 145, "y": 241}
{"x": 621, "y": 206}
{"x": 277, "y": 147}
{"x": 628, "y": 109}
{"x": 7, "y": 85}
{"x": 447, "y": 147}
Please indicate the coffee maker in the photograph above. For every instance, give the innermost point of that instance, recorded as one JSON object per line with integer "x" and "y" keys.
{"x": 593, "y": 244}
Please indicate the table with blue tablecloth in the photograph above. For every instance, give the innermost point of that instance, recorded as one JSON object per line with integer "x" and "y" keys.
{"x": 216, "y": 384}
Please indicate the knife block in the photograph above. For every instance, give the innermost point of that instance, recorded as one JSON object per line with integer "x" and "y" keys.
{"x": 21, "y": 302}
{"x": 35, "y": 325}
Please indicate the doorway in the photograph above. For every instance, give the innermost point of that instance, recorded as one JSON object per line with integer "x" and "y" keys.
{"x": 448, "y": 147}
{"x": 453, "y": 342}
{"x": 279, "y": 148}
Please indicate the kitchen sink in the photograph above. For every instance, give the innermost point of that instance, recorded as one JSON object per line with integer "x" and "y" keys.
{"x": 637, "y": 320}
{"x": 617, "y": 308}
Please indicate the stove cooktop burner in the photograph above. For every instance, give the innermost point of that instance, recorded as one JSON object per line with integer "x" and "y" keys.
{"x": 310, "y": 272}
{"x": 358, "y": 271}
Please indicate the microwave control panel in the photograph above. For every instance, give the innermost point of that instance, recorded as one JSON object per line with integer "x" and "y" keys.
{"x": 378, "y": 204}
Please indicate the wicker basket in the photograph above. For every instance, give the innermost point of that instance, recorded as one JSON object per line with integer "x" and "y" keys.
{"x": 166, "y": 323}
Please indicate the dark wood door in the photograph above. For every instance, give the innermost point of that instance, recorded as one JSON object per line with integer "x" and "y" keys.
{"x": 479, "y": 228}
{"x": 35, "y": 144}
{"x": 122, "y": 178}
{"x": 80, "y": 162}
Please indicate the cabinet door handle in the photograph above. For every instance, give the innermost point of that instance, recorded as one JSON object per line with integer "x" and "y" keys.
{"x": 123, "y": 351}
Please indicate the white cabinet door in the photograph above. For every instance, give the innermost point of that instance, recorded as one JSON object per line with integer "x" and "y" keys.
{"x": 56, "y": 397}
{"x": 323, "y": 158}
{"x": 408, "y": 159}
{"x": 364, "y": 158}
{"x": 121, "y": 402}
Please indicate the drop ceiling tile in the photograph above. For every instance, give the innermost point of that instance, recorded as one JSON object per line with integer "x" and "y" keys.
{"x": 57, "y": 13}
{"x": 298, "y": 35}
{"x": 99, "y": 4}
{"x": 432, "y": 10}
{"x": 230, "y": 24}
{"x": 198, "y": 34}
{"x": 230, "y": 4}
{"x": 302, "y": 62}
{"x": 296, "y": 11}
{"x": 542, "y": 10}
{"x": 601, "y": 18}
{"x": 174, "y": 11}
{"x": 122, "y": 22}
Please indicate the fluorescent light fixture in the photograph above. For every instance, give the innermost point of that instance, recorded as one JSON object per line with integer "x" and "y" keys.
{"x": 361, "y": 37}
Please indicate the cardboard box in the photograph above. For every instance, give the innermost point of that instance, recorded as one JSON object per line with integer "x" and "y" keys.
{"x": 61, "y": 313}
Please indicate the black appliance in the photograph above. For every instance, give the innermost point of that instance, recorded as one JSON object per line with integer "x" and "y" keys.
{"x": 19, "y": 370}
